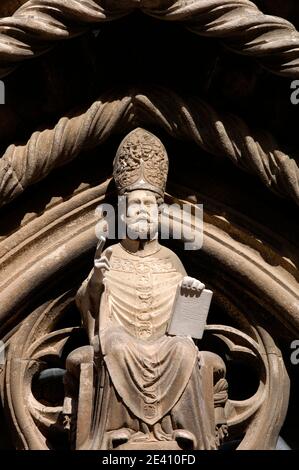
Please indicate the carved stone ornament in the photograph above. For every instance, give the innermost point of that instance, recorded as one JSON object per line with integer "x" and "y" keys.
{"x": 141, "y": 162}
{"x": 112, "y": 342}
{"x": 132, "y": 384}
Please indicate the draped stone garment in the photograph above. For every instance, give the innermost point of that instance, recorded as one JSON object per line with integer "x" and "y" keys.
{"x": 152, "y": 384}
{"x": 150, "y": 377}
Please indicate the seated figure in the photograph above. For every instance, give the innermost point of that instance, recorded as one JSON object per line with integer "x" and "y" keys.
{"x": 150, "y": 389}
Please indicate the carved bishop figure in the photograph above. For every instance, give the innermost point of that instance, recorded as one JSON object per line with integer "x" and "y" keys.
{"x": 140, "y": 388}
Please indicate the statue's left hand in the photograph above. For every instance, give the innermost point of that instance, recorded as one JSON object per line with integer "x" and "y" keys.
{"x": 192, "y": 285}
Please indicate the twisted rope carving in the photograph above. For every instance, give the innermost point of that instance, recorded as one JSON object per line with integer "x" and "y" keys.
{"x": 244, "y": 29}
{"x": 193, "y": 120}
{"x": 38, "y": 24}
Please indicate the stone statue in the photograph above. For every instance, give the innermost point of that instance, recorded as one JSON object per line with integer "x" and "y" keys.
{"x": 146, "y": 389}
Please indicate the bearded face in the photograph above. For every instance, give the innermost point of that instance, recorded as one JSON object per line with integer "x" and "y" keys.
{"x": 142, "y": 217}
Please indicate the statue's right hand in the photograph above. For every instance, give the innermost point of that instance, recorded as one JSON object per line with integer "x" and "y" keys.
{"x": 102, "y": 262}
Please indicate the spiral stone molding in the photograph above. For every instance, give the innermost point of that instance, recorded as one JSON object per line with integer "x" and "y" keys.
{"x": 190, "y": 119}
{"x": 38, "y": 25}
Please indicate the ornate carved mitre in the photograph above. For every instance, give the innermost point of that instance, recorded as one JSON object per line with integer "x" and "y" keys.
{"x": 141, "y": 162}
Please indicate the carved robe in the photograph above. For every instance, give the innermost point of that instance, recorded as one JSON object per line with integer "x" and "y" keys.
{"x": 151, "y": 384}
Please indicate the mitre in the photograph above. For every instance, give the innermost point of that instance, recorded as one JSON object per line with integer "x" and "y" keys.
{"x": 141, "y": 162}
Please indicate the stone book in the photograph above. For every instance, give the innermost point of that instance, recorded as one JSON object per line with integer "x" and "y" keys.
{"x": 189, "y": 314}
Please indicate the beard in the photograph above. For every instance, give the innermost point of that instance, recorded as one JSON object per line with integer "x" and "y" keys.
{"x": 141, "y": 228}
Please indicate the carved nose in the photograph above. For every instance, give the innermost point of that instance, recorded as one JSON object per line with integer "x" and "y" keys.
{"x": 142, "y": 209}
